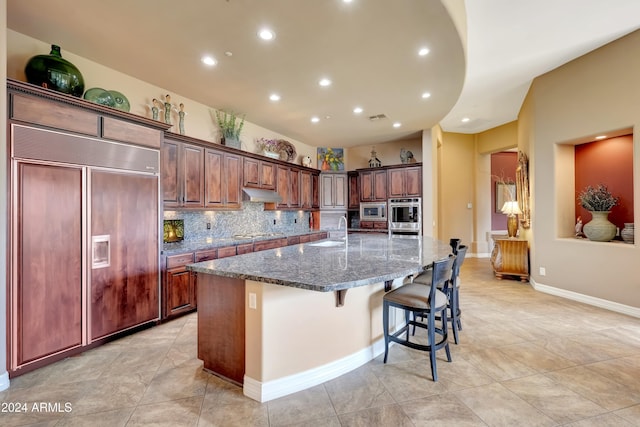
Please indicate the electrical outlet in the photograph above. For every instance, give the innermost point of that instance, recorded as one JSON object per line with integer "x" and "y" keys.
{"x": 295, "y": 220}
{"x": 208, "y": 226}
{"x": 543, "y": 271}
{"x": 274, "y": 222}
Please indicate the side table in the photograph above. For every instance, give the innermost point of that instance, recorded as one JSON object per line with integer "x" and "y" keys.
{"x": 510, "y": 257}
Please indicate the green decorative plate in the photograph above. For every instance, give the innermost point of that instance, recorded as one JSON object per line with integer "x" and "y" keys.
{"x": 121, "y": 101}
{"x": 100, "y": 96}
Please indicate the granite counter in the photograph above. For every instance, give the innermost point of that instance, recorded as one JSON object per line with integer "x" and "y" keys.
{"x": 365, "y": 259}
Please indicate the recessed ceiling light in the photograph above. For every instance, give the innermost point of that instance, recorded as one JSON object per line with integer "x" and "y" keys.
{"x": 274, "y": 97}
{"x": 424, "y": 51}
{"x": 228, "y": 53}
{"x": 324, "y": 82}
{"x": 397, "y": 124}
{"x": 426, "y": 95}
{"x": 347, "y": 1}
{"x": 266, "y": 34}
{"x": 465, "y": 119}
{"x": 208, "y": 60}
{"x": 357, "y": 110}
{"x": 315, "y": 119}
{"x": 601, "y": 136}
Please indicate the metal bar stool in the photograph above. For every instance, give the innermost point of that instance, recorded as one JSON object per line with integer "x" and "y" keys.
{"x": 427, "y": 302}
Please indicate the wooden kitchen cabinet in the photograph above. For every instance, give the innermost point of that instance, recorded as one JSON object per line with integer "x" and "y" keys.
{"x": 288, "y": 187}
{"x": 405, "y": 182}
{"x": 258, "y": 173}
{"x": 354, "y": 190}
{"x": 373, "y": 185}
{"x": 263, "y": 245}
{"x": 222, "y": 179}
{"x": 179, "y": 290}
{"x": 182, "y": 167}
{"x": 510, "y": 257}
{"x": 333, "y": 191}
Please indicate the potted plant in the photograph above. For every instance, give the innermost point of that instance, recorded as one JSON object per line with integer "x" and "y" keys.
{"x": 230, "y": 127}
{"x": 269, "y": 147}
{"x": 598, "y": 201}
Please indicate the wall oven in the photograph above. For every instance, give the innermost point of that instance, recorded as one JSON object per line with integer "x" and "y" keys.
{"x": 405, "y": 216}
{"x": 373, "y": 211}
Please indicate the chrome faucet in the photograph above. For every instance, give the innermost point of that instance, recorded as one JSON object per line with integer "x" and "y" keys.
{"x": 346, "y": 232}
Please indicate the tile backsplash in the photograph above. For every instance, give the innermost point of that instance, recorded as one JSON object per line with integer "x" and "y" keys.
{"x": 251, "y": 219}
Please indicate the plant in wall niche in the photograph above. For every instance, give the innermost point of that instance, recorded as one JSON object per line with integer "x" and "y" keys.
{"x": 598, "y": 199}
{"x": 230, "y": 125}
{"x": 599, "y": 202}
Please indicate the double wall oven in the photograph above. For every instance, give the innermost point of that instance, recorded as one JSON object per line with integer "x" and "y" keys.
{"x": 405, "y": 216}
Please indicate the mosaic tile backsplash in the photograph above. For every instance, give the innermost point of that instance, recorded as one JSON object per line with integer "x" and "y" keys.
{"x": 251, "y": 219}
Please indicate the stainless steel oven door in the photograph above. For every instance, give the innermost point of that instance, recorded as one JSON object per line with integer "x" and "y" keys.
{"x": 405, "y": 215}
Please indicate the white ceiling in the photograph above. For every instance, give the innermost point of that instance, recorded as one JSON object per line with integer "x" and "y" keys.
{"x": 367, "y": 47}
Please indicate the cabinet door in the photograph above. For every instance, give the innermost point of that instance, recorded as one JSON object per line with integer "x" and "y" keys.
{"x": 283, "y": 186}
{"x": 327, "y": 191}
{"x": 315, "y": 191}
{"x": 47, "y": 287}
{"x": 179, "y": 292}
{"x": 232, "y": 180}
{"x": 366, "y": 186}
{"x": 124, "y": 290}
{"x": 193, "y": 169}
{"x": 380, "y": 185}
{"x": 267, "y": 175}
{"x": 354, "y": 191}
{"x": 213, "y": 178}
{"x": 250, "y": 172}
{"x": 294, "y": 188}
{"x": 413, "y": 182}
{"x": 305, "y": 189}
{"x": 169, "y": 157}
{"x": 397, "y": 185}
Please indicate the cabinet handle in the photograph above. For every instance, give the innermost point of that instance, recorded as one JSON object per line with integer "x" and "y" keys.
{"x": 100, "y": 251}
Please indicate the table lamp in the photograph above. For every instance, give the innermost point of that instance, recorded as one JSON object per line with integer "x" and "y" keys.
{"x": 511, "y": 209}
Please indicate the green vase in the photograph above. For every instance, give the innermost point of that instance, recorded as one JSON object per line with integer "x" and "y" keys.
{"x": 54, "y": 72}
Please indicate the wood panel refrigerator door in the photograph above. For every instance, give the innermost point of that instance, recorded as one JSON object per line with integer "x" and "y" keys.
{"x": 48, "y": 281}
{"x": 125, "y": 270}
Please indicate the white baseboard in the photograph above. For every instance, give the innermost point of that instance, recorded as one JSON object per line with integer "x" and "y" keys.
{"x": 4, "y": 381}
{"x": 597, "y": 302}
{"x": 264, "y": 392}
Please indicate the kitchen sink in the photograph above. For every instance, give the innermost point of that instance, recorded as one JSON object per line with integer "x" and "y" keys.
{"x": 327, "y": 243}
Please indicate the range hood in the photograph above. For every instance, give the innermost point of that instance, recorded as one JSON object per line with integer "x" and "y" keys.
{"x": 260, "y": 195}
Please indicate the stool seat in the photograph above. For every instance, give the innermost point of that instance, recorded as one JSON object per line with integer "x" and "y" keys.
{"x": 414, "y": 295}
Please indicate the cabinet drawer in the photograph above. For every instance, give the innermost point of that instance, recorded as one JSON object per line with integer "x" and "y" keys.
{"x": 206, "y": 255}
{"x": 226, "y": 251}
{"x": 270, "y": 244}
{"x": 53, "y": 114}
{"x": 119, "y": 130}
{"x": 380, "y": 225}
{"x": 245, "y": 248}
{"x": 305, "y": 238}
{"x": 293, "y": 240}
{"x": 181, "y": 260}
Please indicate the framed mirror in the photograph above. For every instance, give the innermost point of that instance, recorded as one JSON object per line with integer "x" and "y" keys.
{"x": 522, "y": 182}
{"x": 505, "y": 192}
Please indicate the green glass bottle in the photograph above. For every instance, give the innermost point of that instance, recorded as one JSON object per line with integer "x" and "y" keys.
{"x": 54, "y": 72}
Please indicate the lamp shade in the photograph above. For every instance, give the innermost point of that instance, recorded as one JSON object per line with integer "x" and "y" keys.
{"x": 511, "y": 208}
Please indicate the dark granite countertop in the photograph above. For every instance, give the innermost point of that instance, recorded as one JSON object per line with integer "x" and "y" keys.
{"x": 211, "y": 243}
{"x": 367, "y": 258}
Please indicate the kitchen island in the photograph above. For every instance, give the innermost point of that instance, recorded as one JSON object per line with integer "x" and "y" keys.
{"x": 286, "y": 319}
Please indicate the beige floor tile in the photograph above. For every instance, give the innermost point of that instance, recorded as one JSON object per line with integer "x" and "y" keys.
{"x": 306, "y": 405}
{"x": 497, "y": 406}
{"x": 630, "y": 414}
{"x": 177, "y": 383}
{"x": 241, "y": 413}
{"x": 115, "y": 418}
{"x": 606, "y": 420}
{"x": 357, "y": 390}
{"x": 553, "y": 399}
{"x": 441, "y": 410}
{"x": 536, "y": 357}
{"x": 498, "y": 365}
{"x": 390, "y": 415}
{"x": 177, "y": 413}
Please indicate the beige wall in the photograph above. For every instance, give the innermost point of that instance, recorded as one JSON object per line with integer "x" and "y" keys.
{"x": 388, "y": 153}
{"x": 500, "y": 138}
{"x": 597, "y": 93}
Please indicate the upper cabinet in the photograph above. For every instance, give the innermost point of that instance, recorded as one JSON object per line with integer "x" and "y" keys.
{"x": 354, "y": 190}
{"x": 333, "y": 191}
{"x": 182, "y": 174}
{"x": 288, "y": 187}
{"x": 405, "y": 182}
{"x": 373, "y": 185}
{"x": 222, "y": 179}
{"x": 259, "y": 173}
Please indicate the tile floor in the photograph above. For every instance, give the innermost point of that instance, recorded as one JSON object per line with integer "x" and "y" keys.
{"x": 525, "y": 359}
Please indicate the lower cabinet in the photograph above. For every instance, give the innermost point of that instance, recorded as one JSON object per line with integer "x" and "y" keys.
{"x": 179, "y": 288}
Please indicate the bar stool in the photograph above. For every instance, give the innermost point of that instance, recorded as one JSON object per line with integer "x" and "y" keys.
{"x": 452, "y": 290}
{"x": 427, "y": 302}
